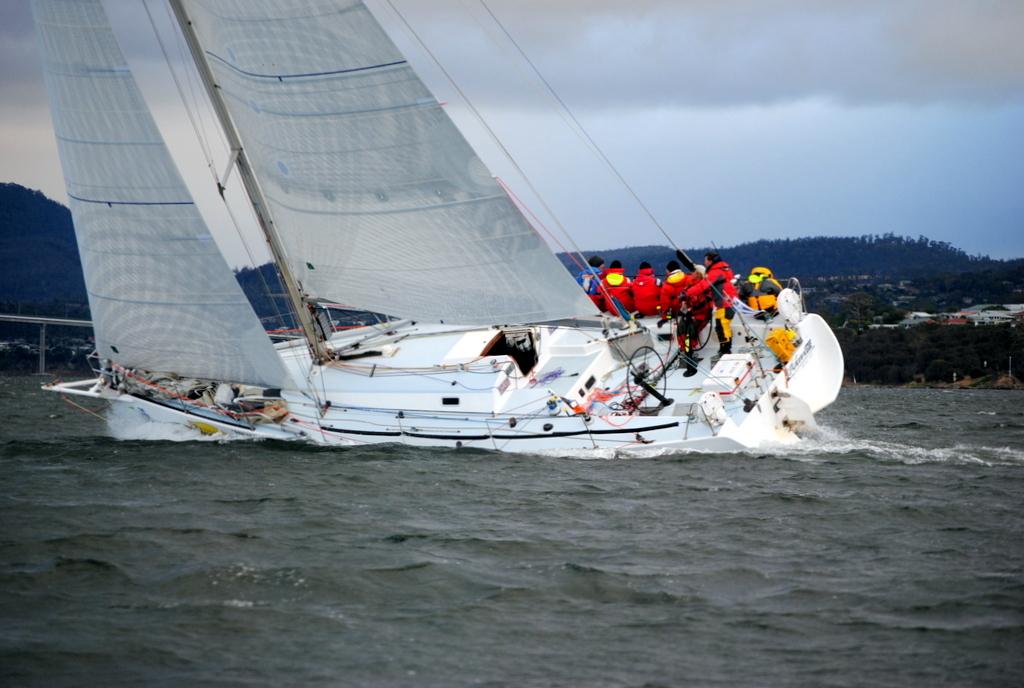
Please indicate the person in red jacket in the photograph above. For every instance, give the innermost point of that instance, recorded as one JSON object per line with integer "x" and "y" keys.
{"x": 647, "y": 291}
{"x": 618, "y": 286}
{"x": 699, "y": 299}
{"x": 687, "y": 299}
{"x": 723, "y": 291}
{"x": 672, "y": 288}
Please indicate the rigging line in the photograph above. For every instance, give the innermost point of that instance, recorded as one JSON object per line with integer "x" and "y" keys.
{"x": 82, "y": 408}
{"x": 181, "y": 92}
{"x": 524, "y": 208}
{"x": 581, "y": 130}
{"x": 268, "y": 292}
{"x": 487, "y": 127}
{"x": 252, "y": 260}
{"x": 191, "y": 79}
{"x": 199, "y": 130}
{"x": 181, "y": 56}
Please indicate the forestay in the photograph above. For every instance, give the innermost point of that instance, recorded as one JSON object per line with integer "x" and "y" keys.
{"x": 162, "y": 296}
{"x": 379, "y": 200}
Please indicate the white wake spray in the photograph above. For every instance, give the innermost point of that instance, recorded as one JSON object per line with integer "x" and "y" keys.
{"x": 128, "y": 422}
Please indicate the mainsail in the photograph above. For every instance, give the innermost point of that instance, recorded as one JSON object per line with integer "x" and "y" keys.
{"x": 162, "y": 296}
{"x": 380, "y": 202}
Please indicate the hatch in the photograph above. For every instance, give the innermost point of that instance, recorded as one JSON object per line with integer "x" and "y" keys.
{"x": 519, "y": 344}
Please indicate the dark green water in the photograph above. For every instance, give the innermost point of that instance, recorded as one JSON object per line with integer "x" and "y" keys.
{"x": 888, "y": 552}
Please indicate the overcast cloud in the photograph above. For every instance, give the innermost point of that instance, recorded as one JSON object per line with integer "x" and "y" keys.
{"x": 732, "y": 119}
{"x": 735, "y": 52}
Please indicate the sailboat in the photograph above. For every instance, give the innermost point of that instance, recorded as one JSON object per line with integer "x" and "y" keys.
{"x": 352, "y": 167}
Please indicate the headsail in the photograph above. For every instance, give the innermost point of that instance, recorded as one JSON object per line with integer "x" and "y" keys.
{"x": 380, "y": 202}
{"x": 162, "y": 296}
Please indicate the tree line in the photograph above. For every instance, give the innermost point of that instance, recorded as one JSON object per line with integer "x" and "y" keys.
{"x": 930, "y": 353}
{"x": 887, "y": 256}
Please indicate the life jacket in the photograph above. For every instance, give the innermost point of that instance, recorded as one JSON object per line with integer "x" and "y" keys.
{"x": 761, "y": 290}
{"x": 672, "y": 288}
{"x": 647, "y": 292}
{"x": 720, "y": 276}
{"x": 782, "y": 342}
{"x": 620, "y": 288}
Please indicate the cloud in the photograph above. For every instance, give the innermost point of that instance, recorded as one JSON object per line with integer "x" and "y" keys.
{"x": 20, "y": 74}
{"x": 707, "y": 53}
{"x": 699, "y": 102}
{"x": 694, "y": 53}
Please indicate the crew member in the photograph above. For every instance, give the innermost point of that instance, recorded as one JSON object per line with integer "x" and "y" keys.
{"x": 723, "y": 291}
{"x": 687, "y": 298}
{"x": 761, "y": 292}
{"x": 672, "y": 288}
{"x": 699, "y": 298}
{"x": 697, "y": 315}
{"x": 619, "y": 287}
{"x": 590, "y": 279}
{"x": 647, "y": 291}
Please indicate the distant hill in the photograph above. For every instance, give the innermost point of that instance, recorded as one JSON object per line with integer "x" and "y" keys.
{"x": 38, "y": 254}
{"x": 263, "y": 287}
{"x": 39, "y": 261}
{"x": 884, "y": 256}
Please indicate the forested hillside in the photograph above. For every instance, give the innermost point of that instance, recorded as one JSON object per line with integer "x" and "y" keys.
{"x": 38, "y": 255}
{"x": 266, "y": 295}
{"x": 852, "y": 281}
{"x": 883, "y": 256}
{"x": 932, "y": 353}
{"x": 41, "y": 266}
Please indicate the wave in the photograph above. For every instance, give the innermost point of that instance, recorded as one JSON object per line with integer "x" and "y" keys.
{"x": 62, "y": 572}
{"x": 830, "y": 442}
{"x": 129, "y": 423}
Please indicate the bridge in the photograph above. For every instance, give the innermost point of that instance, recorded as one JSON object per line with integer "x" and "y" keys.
{"x": 43, "y": 321}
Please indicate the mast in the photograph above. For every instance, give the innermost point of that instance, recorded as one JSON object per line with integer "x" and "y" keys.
{"x": 252, "y": 187}
{"x": 361, "y": 167}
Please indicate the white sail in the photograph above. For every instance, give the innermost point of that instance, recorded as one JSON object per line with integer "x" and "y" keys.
{"x": 162, "y": 296}
{"x": 379, "y": 200}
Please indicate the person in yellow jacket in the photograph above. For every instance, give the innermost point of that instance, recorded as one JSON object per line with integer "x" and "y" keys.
{"x": 761, "y": 291}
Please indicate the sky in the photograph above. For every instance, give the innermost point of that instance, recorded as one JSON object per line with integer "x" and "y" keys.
{"x": 728, "y": 121}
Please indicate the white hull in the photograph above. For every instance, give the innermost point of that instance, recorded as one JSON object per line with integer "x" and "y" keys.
{"x": 434, "y": 386}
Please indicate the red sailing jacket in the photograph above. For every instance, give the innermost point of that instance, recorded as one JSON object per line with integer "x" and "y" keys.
{"x": 647, "y": 292}
{"x": 620, "y": 288}
{"x": 672, "y": 292}
{"x": 719, "y": 276}
{"x": 699, "y": 298}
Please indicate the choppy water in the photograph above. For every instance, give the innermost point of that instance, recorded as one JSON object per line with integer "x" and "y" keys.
{"x": 888, "y": 552}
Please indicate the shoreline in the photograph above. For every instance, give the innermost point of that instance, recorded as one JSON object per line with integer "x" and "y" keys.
{"x": 1000, "y": 382}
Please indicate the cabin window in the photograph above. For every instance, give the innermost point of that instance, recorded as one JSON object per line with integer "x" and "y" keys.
{"x": 519, "y": 345}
